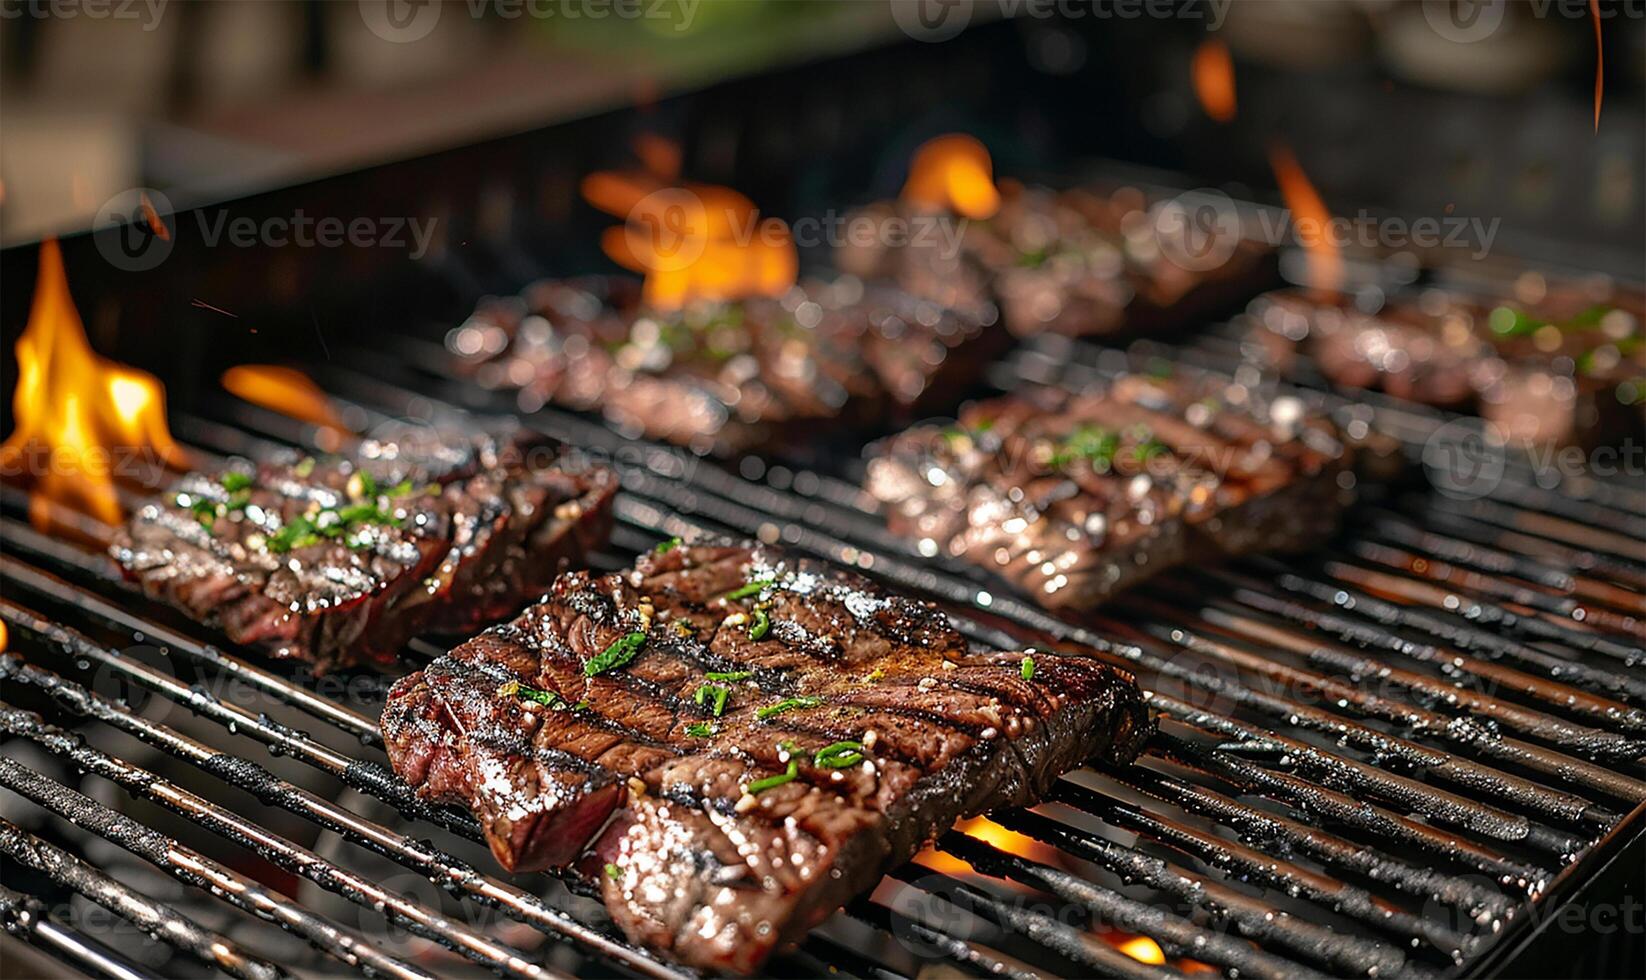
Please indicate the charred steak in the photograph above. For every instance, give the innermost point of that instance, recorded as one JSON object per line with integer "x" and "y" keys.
{"x": 1076, "y": 497}
{"x": 733, "y": 742}
{"x": 726, "y": 377}
{"x": 340, "y": 561}
{"x": 1567, "y": 369}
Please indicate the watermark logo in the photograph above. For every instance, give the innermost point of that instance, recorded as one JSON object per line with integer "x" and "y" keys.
{"x": 1465, "y": 458}
{"x": 932, "y": 20}
{"x": 1464, "y": 21}
{"x": 400, "y": 21}
{"x": 135, "y": 229}
{"x": 146, "y": 12}
{"x": 1197, "y": 230}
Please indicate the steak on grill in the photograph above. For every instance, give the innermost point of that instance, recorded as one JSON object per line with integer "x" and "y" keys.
{"x": 726, "y": 377}
{"x": 780, "y": 736}
{"x": 1569, "y": 368}
{"x": 1081, "y": 262}
{"x": 1076, "y": 497}
{"x": 339, "y": 561}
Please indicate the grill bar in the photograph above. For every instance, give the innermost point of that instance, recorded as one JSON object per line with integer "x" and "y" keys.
{"x": 152, "y": 916}
{"x": 23, "y": 916}
{"x": 183, "y": 863}
{"x": 365, "y": 776}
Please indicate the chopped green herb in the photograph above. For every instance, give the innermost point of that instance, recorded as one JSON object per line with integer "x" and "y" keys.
{"x": 234, "y": 481}
{"x": 701, "y": 729}
{"x": 762, "y": 625}
{"x": 546, "y": 698}
{"x": 366, "y": 514}
{"x": 1506, "y": 321}
{"x": 1088, "y": 443}
{"x": 753, "y": 588}
{"x": 667, "y": 546}
{"x": 368, "y": 483}
{"x": 619, "y": 653}
{"x": 205, "y": 511}
{"x": 840, "y": 755}
{"x": 712, "y": 696}
{"x": 787, "y": 704}
{"x": 614, "y": 872}
{"x": 728, "y": 675}
{"x": 1027, "y": 668}
{"x": 299, "y": 532}
{"x": 304, "y": 467}
{"x": 772, "y": 782}
{"x": 1158, "y": 368}
{"x": 1148, "y": 449}
{"x": 1589, "y": 319}
{"x": 1033, "y": 258}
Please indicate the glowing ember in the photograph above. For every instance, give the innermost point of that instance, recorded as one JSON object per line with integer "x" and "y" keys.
{"x": 953, "y": 173}
{"x": 283, "y": 390}
{"x": 5, "y": 638}
{"x": 989, "y": 832}
{"x": 1600, "y": 61}
{"x": 81, "y": 419}
{"x": 692, "y": 242}
{"x": 1140, "y": 948}
{"x": 1310, "y": 221}
{"x": 1214, "y": 85}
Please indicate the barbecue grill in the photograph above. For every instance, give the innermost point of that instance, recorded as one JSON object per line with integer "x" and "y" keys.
{"x": 1415, "y": 750}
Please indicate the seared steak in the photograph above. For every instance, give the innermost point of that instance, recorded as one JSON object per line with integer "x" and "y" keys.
{"x": 1569, "y": 368}
{"x": 726, "y": 377}
{"x": 1079, "y": 262}
{"x": 734, "y": 742}
{"x": 340, "y": 561}
{"x": 1076, "y": 497}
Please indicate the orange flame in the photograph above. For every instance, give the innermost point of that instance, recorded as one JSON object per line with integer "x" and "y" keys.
{"x": 692, "y": 242}
{"x": 286, "y": 391}
{"x": 1140, "y": 948}
{"x": 80, "y": 418}
{"x": 953, "y": 173}
{"x": 1212, "y": 71}
{"x": 989, "y": 832}
{"x": 1310, "y": 220}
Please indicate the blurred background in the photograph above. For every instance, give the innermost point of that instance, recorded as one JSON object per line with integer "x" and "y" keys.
{"x": 1480, "y": 106}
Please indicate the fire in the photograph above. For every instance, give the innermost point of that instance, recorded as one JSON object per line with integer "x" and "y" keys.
{"x": 80, "y": 418}
{"x": 1600, "y": 61}
{"x": 1140, "y": 948}
{"x": 693, "y": 241}
{"x": 286, "y": 391}
{"x": 989, "y": 832}
{"x": 1310, "y": 221}
{"x": 953, "y": 173}
{"x": 1214, "y": 85}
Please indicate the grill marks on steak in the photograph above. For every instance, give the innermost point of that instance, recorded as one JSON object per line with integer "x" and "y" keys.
{"x": 1076, "y": 497}
{"x": 688, "y": 860}
{"x": 340, "y": 561}
{"x": 726, "y": 376}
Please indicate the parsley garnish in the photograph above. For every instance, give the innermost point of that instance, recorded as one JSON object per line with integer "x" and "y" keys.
{"x": 753, "y": 588}
{"x": 234, "y": 481}
{"x": 619, "y": 653}
{"x": 1027, "y": 668}
{"x": 728, "y": 675}
{"x": 701, "y": 729}
{"x": 1506, "y": 321}
{"x": 772, "y": 782}
{"x": 840, "y": 755}
{"x": 299, "y": 532}
{"x": 762, "y": 625}
{"x": 546, "y": 698}
{"x": 614, "y": 872}
{"x": 1148, "y": 449}
{"x": 717, "y": 693}
{"x": 667, "y": 546}
{"x": 1089, "y": 443}
{"x": 304, "y": 467}
{"x": 787, "y": 704}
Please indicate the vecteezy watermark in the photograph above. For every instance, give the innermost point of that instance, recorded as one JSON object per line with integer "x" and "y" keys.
{"x": 405, "y": 21}
{"x": 146, "y": 12}
{"x": 940, "y": 20}
{"x": 1467, "y": 459}
{"x": 136, "y": 229}
{"x": 1198, "y": 230}
{"x": 1366, "y": 230}
{"x": 1468, "y": 21}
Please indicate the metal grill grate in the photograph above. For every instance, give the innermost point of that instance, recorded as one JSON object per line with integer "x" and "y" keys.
{"x": 1374, "y": 760}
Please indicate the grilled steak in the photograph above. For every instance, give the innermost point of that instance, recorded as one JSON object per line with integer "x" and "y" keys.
{"x": 1076, "y": 497}
{"x": 733, "y": 742}
{"x": 340, "y": 561}
{"x": 1078, "y": 262}
{"x": 1569, "y": 368}
{"x": 726, "y": 377}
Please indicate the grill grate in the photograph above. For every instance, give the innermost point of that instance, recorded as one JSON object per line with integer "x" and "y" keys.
{"x": 1292, "y": 819}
